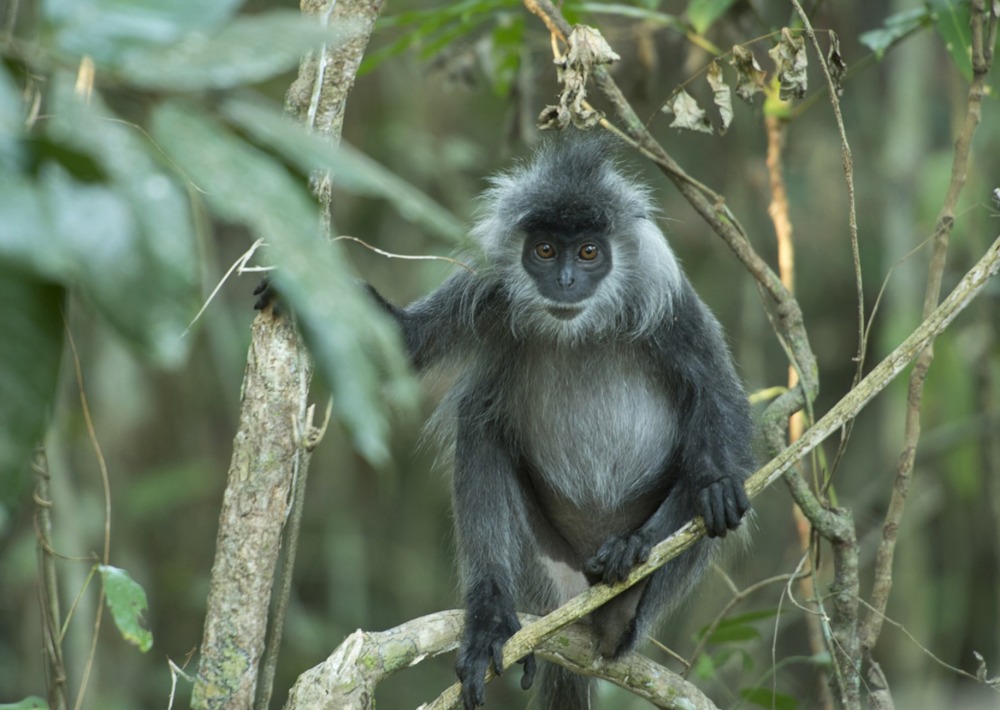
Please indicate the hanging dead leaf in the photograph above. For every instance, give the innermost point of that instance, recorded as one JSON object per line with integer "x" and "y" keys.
{"x": 790, "y": 61}
{"x": 722, "y": 95}
{"x": 749, "y": 76}
{"x": 586, "y": 49}
{"x": 687, "y": 113}
{"x": 838, "y": 67}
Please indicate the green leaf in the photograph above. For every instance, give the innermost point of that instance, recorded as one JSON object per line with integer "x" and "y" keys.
{"x": 349, "y": 169}
{"x": 106, "y": 29}
{"x": 126, "y": 600}
{"x": 32, "y": 702}
{"x": 737, "y": 628}
{"x": 895, "y": 28}
{"x": 355, "y": 346}
{"x": 155, "y": 295}
{"x": 767, "y": 698}
{"x": 11, "y": 124}
{"x": 704, "y": 13}
{"x": 86, "y": 236}
{"x": 247, "y": 50}
{"x": 30, "y": 349}
{"x": 952, "y": 22}
{"x": 704, "y": 666}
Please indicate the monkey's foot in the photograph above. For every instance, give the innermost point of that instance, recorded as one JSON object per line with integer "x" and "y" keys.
{"x": 483, "y": 644}
{"x": 617, "y": 557}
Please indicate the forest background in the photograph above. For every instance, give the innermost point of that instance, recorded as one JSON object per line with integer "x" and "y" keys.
{"x": 448, "y": 94}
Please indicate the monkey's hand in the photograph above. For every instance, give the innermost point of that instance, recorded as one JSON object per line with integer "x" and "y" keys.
{"x": 266, "y": 295}
{"x": 723, "y": 504}
{"x": 487, "y": 628}
{"x": 617, "y": 556}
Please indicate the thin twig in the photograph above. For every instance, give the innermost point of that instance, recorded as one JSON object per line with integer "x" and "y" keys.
{"x": 106, "y": 484}
{"x": 983, "y": 21}
{"x": 409, "y": 257}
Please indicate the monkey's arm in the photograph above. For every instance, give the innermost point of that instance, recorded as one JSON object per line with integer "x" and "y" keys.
{"x": 443, "y": 323}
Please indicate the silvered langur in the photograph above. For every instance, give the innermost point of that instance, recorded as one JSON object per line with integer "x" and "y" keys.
{"x": 596, "y": 409}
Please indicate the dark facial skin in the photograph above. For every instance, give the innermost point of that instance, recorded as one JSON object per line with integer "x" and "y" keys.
{"x": 566, "y": 268}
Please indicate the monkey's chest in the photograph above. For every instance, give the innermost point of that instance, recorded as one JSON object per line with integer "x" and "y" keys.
{"x": 598, "y": 430}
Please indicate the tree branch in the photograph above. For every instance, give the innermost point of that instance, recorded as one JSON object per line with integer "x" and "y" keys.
{"x": 346, "y": 680}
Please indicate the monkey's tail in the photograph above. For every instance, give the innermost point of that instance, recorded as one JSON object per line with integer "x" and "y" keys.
{"x": 560, "y": 689}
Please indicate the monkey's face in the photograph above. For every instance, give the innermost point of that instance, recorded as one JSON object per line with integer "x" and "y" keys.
{"x": 567, "y": 269}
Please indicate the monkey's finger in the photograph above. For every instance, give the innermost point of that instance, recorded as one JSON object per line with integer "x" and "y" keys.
{"x": 529, "y": 671}
{"x": 473, "y": 694}
{"x": 715, "y": 511}
{"x": 735, "y": 498}
{"x": 496, "y": 655}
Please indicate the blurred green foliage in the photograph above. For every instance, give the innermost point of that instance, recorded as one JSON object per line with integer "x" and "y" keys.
{"x": 121, "y": 209}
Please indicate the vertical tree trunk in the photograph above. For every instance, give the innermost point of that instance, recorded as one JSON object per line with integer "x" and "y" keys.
{"x": 269, "y": 453}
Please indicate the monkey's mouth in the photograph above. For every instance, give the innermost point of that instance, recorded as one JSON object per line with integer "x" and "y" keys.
{"x": 564, "y": 312}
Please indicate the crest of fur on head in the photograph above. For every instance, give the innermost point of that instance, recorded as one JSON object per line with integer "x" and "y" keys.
{"x": 574, "y": 183}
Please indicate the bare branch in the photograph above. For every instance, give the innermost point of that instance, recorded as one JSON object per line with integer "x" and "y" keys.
{"x": 346, "y": 680}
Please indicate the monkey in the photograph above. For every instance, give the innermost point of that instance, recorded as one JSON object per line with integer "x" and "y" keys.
{"x": 596, "y": 409}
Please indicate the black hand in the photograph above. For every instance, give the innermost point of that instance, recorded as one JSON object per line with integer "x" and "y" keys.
{"x": 723, "y": 504}
{"x": 266, "y": 295}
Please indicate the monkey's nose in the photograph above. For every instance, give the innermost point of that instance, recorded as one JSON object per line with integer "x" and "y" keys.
{"x": 566, "y": 279}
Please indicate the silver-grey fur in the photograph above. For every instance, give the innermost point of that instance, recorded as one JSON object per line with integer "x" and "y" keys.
{"x": 578, "y": 442}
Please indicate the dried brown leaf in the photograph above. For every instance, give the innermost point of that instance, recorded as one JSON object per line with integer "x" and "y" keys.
{"x": 834, "y": 59}
{"x": 790, "y": 61}
{"x": 587, "y": 49}
{"x": 749, "y": 76}
{"x": 687, "y": 113}
{"x": 722, "y": 95}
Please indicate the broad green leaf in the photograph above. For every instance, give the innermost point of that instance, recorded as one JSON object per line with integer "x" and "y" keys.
{"x": 250, "y": 49}
{"x": 738, "y": 628}
{"x": 157, "y": 294}
{"x": 507, "y": 40}
{"x": 86, "y": 235}
{"x": 32, "y": 327}
{"x": 952, "y": 22}
{"x": 106, "y": 29}
{"x": 349, "y": 169}
{"x": 126, "y": 600}
{"x": 11, "y": 124}
{"x": 354, "y": 344}
{"x": 704, "y": 13}
{"x": 30, "y": 703}
{"x": 895, "y": 28}
{"x": 734, "y": 634}
{"x": 704, "y": 666}
{"x": 767, "y": 698}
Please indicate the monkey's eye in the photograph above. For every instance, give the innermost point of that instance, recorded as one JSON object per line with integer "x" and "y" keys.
{"x": 545, "y": 250}
{"x": 589, "y": 252}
